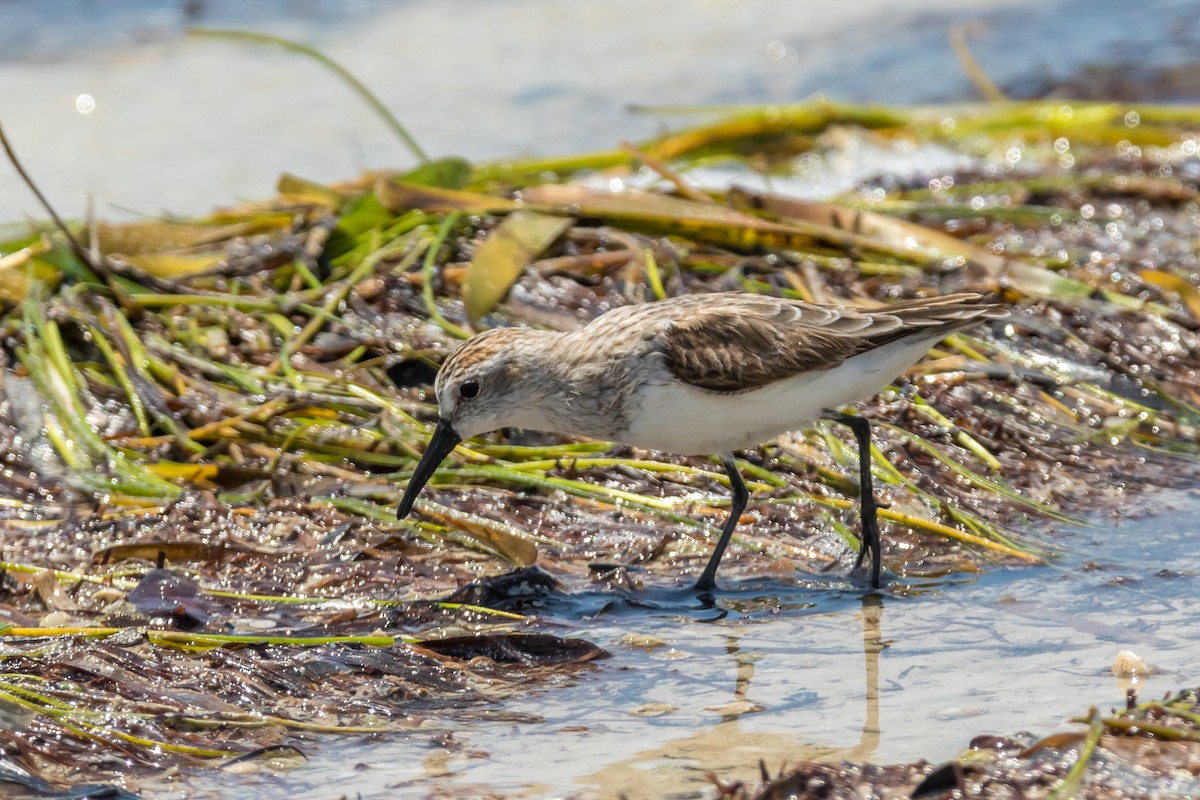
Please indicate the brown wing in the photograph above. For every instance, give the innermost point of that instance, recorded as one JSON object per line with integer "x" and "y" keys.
{"x": 739, "y": 342}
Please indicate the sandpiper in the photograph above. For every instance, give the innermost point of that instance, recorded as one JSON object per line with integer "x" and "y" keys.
{"x": 697, "y": 374}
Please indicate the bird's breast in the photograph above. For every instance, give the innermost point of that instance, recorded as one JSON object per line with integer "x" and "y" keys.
{"x": 678, "y": 418}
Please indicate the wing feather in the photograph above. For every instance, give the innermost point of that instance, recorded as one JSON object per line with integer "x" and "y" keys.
{"x": 740, "y": 342}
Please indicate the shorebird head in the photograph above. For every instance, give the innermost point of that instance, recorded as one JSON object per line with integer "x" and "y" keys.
{"x": 482, "y": 386}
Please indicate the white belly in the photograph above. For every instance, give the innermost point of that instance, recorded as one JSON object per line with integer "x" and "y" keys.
{"x": 678, "y": 418}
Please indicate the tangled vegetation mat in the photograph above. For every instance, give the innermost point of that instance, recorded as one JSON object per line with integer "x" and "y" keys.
{"x": 205, "y": 422}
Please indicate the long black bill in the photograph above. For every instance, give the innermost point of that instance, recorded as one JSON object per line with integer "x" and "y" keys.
{"x": 443, "y": 441}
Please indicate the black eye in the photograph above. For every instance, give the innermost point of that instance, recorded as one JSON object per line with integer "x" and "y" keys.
{"x": 469, "y": 389}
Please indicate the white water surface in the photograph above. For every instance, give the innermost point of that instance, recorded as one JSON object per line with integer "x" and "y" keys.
{"x": 107, "y": 99}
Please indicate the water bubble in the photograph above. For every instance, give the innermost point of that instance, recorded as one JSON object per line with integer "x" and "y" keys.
{"x": 777, "y": 50}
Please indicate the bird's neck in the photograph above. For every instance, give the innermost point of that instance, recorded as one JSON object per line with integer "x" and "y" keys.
{"x": 572, "y": 390}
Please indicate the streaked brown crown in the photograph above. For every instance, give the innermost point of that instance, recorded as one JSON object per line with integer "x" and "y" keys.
{"x": 477, "y": 349}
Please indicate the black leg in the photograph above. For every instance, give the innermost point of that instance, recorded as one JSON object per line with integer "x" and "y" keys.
{"x": 708, "y": 578}
{"x": 861, "y": 428}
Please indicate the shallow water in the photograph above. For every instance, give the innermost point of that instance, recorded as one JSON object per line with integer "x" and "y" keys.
{"x": 783, "y": 672}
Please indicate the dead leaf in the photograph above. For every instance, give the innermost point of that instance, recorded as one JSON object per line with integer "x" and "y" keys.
{"x": 1188, "y": 293}
{"x": 499, "y": 261}
{"x": 530, "y": 649}
{"x": 505, "y": 540}
{"x": 405, "y": 197}
{"x": 51, "y": 593}
{"x": 305, "y": 191}
{"x": 171, "y": 551}
{"x": 735, "y": 708}
{"x": 653, "y": 709}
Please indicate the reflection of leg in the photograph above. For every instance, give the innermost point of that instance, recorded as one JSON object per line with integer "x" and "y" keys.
{"x": 872, "y": 614}
{"x": 745, "y": 666}
{"x": 744, "y": 662}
